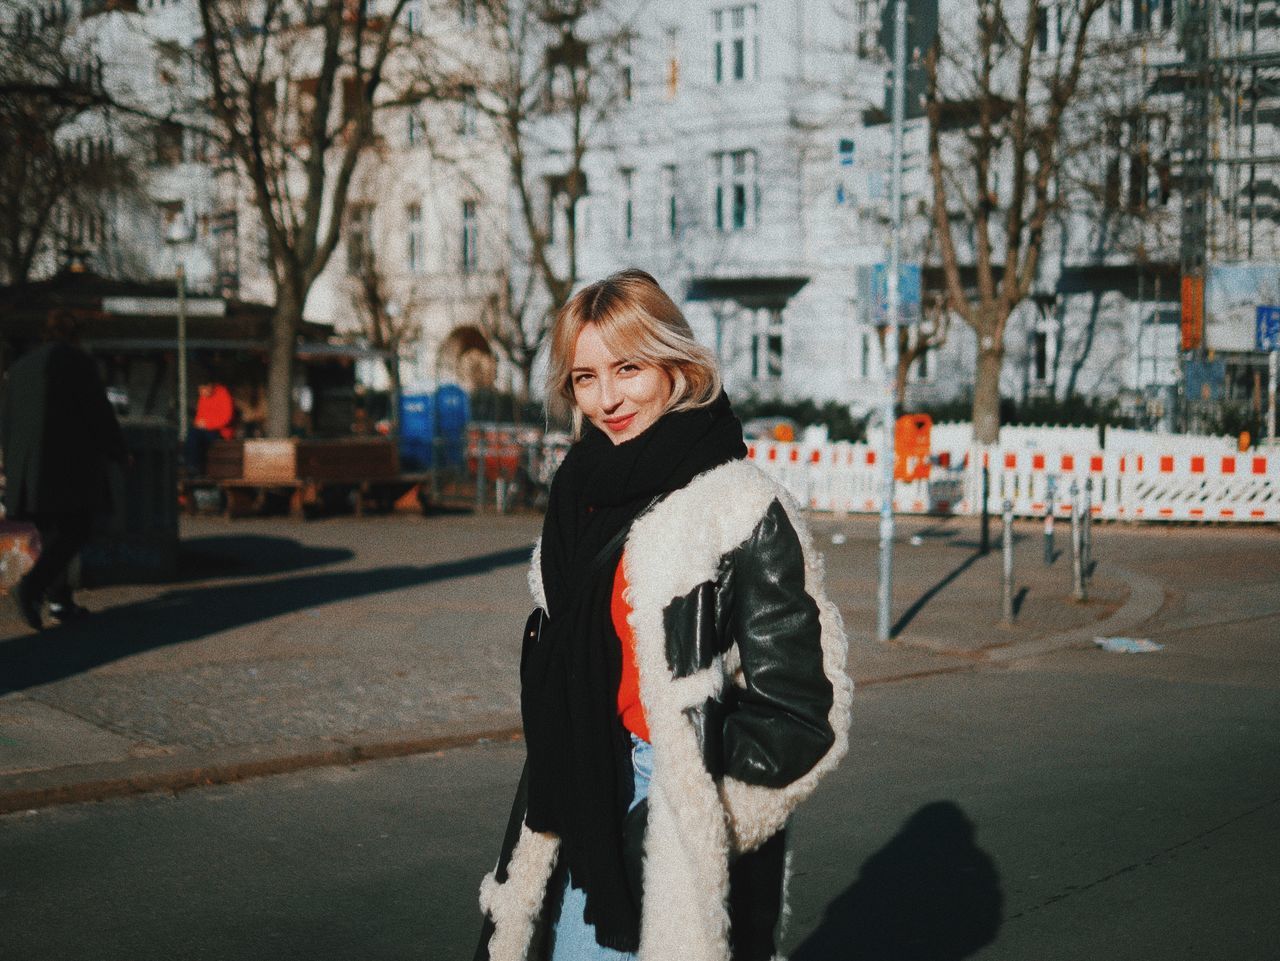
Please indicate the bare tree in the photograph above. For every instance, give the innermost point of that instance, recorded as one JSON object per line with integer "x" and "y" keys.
{"x": 294, "y": 87}
{"x": 1000, "y": 104}
{"x": 553, "y": 81}
{"x": 58, "y": 140}
{"x": 386, "y": 324}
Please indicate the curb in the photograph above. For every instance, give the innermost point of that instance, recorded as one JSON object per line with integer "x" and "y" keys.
{"x": 1146, "y": 597}
{"x": 74, "y": 785}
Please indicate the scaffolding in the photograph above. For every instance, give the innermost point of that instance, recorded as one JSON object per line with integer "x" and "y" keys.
{"x": 1227, "y": 159}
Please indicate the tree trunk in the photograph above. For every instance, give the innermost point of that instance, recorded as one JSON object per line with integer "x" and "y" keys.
{"x": 397, "y": 388}
{"x": 986, "y": 395}
{"x": 284, "y": 327}
{"x": 525, "y": 387}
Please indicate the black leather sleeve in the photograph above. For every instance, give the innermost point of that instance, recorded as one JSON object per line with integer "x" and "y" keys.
{"x": 778, "y": 728}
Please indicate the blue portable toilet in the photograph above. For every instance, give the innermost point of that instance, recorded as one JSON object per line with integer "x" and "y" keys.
{"x": 453, "y": 412}
{"x": 417, "y": 431}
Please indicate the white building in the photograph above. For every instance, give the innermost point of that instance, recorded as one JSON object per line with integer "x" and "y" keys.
{"x": 749, "y": 172}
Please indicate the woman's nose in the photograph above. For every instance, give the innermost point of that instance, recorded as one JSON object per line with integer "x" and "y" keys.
{"x": 610, "y": 397}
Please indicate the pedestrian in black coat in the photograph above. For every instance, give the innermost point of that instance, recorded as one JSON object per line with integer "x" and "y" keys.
{"x": 59, "y": 433}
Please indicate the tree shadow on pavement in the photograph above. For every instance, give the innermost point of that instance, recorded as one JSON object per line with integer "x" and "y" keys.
{"x": 186, "y": 614}
{"x": 251, "y": 555}
{"x": 930, "y": 894}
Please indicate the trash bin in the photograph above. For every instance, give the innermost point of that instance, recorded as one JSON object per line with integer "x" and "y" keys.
{"x": 138, "y": 541}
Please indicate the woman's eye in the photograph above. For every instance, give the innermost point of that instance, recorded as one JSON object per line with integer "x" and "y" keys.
{"x": 580, "y": 379}
{"x": 628, "y": 368}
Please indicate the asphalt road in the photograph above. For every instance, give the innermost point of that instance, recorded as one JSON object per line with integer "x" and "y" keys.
{"x": 1085, "y": 805}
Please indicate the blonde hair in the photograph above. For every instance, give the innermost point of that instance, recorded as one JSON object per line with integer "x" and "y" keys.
{"x": 636, "y": 320}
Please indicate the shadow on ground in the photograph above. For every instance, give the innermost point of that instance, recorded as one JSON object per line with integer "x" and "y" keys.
{"x": 919, "y": 603}
{"x": 186, "y": 614}
{"x": 930, "y": 894}
{"x": 251, "y": 555}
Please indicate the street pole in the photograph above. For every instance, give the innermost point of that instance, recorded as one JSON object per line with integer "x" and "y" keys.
{"x": 894, "y": 310}
{"x": 1271, "y": 395}
{"x": 1006, "y": 543}
{"x": 894, "y": 306}
{"x": 182, "y": 352}
{"x": 1050, "y": 496}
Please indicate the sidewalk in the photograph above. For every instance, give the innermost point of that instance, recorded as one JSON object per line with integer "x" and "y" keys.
{"x": 286, "y": 644}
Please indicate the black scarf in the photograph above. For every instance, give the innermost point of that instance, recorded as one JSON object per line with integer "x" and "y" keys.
{"x": 579, "y": 761}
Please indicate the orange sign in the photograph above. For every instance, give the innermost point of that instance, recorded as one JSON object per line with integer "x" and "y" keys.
{"x": 911, "y": 447}
{"x": 1192, "y": 312}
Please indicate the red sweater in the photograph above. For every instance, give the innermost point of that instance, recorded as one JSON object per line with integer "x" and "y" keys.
{"x": 630, "y": 709}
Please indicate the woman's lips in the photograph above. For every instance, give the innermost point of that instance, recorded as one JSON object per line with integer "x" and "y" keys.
{"x": 619, "y": 424}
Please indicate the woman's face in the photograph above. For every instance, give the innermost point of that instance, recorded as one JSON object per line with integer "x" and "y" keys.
{"x": 621, "y": 396}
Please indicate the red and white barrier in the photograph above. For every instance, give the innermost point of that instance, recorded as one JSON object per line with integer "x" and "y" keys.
{"x": 1139, "y": 486}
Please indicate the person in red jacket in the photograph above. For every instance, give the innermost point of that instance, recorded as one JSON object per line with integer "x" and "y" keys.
{"x": 215, "y": 413}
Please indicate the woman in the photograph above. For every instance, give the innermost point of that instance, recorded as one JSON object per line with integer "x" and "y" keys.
{"x": 686, "y": 688}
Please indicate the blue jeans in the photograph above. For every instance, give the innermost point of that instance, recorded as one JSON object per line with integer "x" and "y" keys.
{"x": 574, "y": 939}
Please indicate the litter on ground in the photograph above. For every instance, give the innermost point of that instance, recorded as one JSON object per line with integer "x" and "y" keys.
{"x": 1128, "y": 645}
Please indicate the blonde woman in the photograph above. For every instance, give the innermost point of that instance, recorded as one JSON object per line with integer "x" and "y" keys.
{"x": 682, "y": 679}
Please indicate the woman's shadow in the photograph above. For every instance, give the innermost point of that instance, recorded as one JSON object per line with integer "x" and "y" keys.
{"x": 930, "y": 894}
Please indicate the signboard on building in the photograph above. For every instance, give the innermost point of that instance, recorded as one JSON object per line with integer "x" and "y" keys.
{"x": 908, "y": 291}
{"x": 1233, "y": 293}
{"x": 1205, "y": 379}
{"x": 1267, "y": 334}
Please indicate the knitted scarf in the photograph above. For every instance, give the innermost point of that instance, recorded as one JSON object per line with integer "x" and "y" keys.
{"x": 579, "y": 763}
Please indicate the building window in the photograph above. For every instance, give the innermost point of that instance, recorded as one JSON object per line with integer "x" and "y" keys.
{"x": 1139, "y": 16}
{"x": 413, "y": 16}
{"x": 415, "y": 247}
{"x": 735, "y": 45}
{"x": 864, "y": 360}
{"x": 358, "y": 247}
{"x": 670, "y": 202}
{"x": 736, "y": 193}
{"x": 168, "y": 143}
{"x": 1040, "y": 356}
{"x": 1052, "y": 20}
{"x": 467, "y": 112}
{"x": 627, "y": 180}
{"x": 1137, "y": 173}
{"x": 467, "y": 12}
{"x": 413, "y": 128}
{"x": 867, "y": 29}
{"x": 470, "y": 237}
{"x": 766, "y": 344}
{"x": 626, "y": 67}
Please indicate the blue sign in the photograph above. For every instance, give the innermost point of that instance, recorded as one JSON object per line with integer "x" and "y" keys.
{"x": 1268, "y": 329}
{"x": 908, "y": 292}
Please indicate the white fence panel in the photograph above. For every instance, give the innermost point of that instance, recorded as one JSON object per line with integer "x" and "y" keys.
{"x": 1156, "y": 485}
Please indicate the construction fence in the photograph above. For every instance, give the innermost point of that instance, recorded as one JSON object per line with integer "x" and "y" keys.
{"x": 1142, "y": 483}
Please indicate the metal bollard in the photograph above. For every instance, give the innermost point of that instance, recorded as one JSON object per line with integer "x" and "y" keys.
{"x": 1051, "y": 496}
{"x": 1086, "y": 530}
{"x": 984, "y": 545}
{"x": 500, "y": 495}
{"x": 436, "y": 444}
{"x": 1007, "y": 544}
{"x": 1077, "y": 568}
{"x": 480, "y": 454}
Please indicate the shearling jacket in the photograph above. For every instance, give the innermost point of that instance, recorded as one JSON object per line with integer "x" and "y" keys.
{"x": 741, "y": 661}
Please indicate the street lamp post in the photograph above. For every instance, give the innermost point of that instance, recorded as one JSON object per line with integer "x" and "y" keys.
{"x": 894, "y": 309}
{"x": 182, "y": 351}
